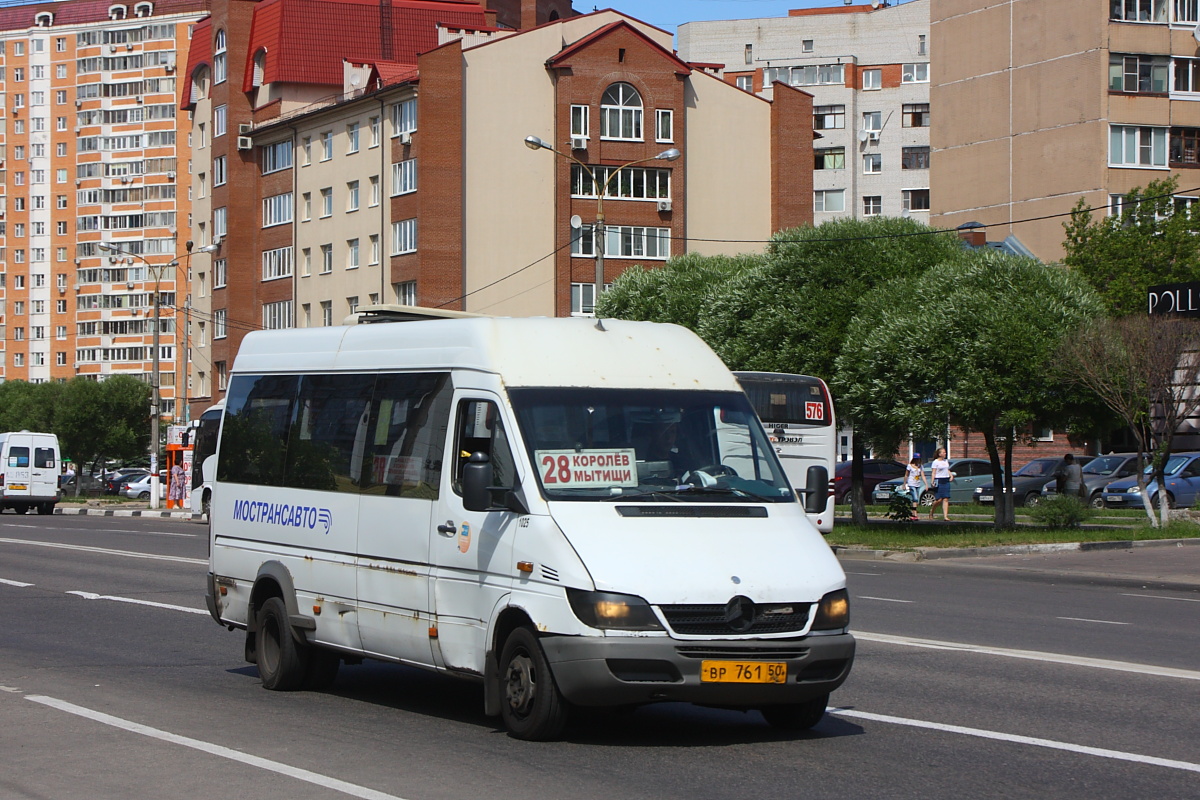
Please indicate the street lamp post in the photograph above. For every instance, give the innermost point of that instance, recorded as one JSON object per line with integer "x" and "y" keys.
{"x": 155, "y": 399}
{"x": 187, "y": 306}
{"x": 598, "y": 234}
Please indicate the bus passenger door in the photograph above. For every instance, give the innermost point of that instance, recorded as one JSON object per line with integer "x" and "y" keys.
{"x": 471, "y": 550}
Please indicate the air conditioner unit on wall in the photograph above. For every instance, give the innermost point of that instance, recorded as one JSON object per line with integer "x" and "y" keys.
{"x": 245, "y": 143}
{"x": 406, "y": 138}
{"x": 245, "y": 127}
{"x": 579, "y": 143}
{"x": 664, "y": 205}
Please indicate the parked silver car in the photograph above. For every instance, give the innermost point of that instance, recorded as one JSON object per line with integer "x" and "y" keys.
{"x": 1098, "y": 473}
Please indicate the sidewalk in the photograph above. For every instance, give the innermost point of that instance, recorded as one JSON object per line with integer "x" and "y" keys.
{"x": 122, "y": 510}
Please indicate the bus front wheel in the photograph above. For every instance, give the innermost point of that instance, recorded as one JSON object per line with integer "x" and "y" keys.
{"x": 282, "y": 661}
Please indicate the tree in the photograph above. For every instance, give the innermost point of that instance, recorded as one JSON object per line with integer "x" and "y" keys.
{"x": 1122, "y": 255}
{"x": 970, "y": 340}
{"x": 1145, "y": 369}
{"x": 100, "y": 420}
{"x": 27, "y": 406}
{"x": 678, "y": 292}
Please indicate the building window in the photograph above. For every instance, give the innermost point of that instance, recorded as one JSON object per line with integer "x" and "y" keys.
{"x": 277, "y": 210}
{"x": 327, "y": 202}
{"x": 872, "y": 205}
{"x": 326, "y": 259}
{"x": 404, "y": 237}
{"x": 276, "y": 157}
{"x": 1187, "y": 10}
{"x": 277, "y": 263}
{"x": 326, "y": 313}
{"x": 1139, "y": 10}
{"x": 406, "y": 293}
{"x": 222, "y": 375}
{"x": 915, "y": 73}
{"x": 583, "y": 299}
{"x": 277, "y": 315}
{"x": 745, "y": 83}
{"x": 634, "y": 183}
{"x": 830, "y": 158}
{"x": 352, "y": 254}
{"x": 352, "y": 196}
{"x": 872, "y": 79}
{"x": 806, "y": 45}
{"x": 219, "y": 117}
{"x": 218, "y": 320}
{"x": 218, "y": 171}
{"x": 374, "y": 126}
{"x": 749, "y": 54}
{"x": 579, "y": 121}
{"x": 306, "y": 147}
{"x": 1185, "y": 73}
{"x": 621, "y": 113}
{"x": 914, "y": 158}
{"x": 1138, "y": 73}
{"x": 306, "y": 207}
{"x": 872, "y": 163}
{"x": 829, "y": 200}
{"x": 623, "y": 241}
{"x": 352, "y": 138}
{"x": 219, "y": 222}
{"x": 922, "y": 45}
{"x": 404, "y": 117}
{"x": 914, "y": 200}
{"x": 828, "y": 118}
{"x": 810, "y": 75}
{"x": 219, "y": 64}
{"x": 374, "y": 181}
{"x": 916, "y": 115}
{"x": 327, "y": 145}
{"x": 375, "y": 251}
{"x": 1137, "y": 146}
{"x": 664, "y": 125}
{"x": 1185, "y": 146}
{"x": 218, "y": 273}
{"x": 306, "y": 262}
{"x": 352, "y": 304}
{"x": 404, "y": 177}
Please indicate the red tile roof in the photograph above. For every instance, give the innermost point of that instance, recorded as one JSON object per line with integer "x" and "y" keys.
{"x": 199, "y": 52}
{"x": 73, "y": 13}
{"x": 306, "y": 40}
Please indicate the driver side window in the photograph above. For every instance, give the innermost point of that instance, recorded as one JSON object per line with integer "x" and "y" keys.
{"x": 479, "y": 429}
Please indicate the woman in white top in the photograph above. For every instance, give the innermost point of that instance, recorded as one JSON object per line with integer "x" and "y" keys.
{"x": 914, "y": 480}
{"x": 941, "y": 481}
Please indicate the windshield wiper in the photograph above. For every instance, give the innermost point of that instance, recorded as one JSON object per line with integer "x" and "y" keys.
{"x": 670, "y": 494}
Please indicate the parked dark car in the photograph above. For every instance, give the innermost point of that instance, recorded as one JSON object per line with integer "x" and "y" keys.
{"x": 114, "y": 482}
{"x": 875, "y": 471}
{"x": 1098, "y": 473}
{"x": 91, "y": 485}
{"x": 1027, "y": 482}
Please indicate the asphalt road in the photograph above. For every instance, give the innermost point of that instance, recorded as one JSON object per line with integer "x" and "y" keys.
{"x": 970, "y": 682}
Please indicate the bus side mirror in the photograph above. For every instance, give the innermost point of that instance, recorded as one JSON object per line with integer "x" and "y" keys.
{"x": 817, "y": 493}
{"x": 476, "y": 478}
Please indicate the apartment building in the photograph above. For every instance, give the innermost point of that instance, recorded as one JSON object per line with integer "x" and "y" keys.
{"x": 93, "y": 150}
{"x": 1060, "y": 100}
{"x": 402, "y": 173}
{"x": 867, "y": 68}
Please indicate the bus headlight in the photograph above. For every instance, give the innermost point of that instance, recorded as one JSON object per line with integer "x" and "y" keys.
{"x": 834, "y": 612}
{"x": 612, "y": 611}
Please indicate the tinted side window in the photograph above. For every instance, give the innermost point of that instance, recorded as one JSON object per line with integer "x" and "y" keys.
{"x": 18, "y": 456}
{"x": 258, "y": 415}
{"x": 407, "y": 435}
{"x": 328, "y": 435}
{"x": 480, "y": 430}
{"x": 43, "y": 457}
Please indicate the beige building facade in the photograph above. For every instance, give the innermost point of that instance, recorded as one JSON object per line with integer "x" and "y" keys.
{"x": 1058, "y": 101}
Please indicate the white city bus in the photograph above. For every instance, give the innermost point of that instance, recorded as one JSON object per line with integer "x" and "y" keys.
{"x": 797, "y": 413}
{"x": 204, "y": 445}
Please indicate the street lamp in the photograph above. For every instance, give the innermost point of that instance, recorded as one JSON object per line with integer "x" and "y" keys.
{"x": 534, "y": 143}
{"x": 187, "y": 325}
{"x": 155, "y": 400}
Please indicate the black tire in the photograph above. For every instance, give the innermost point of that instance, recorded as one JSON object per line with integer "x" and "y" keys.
{"x": 530, "y": 704}
{"x": 798, "y": 717}
{"x": 1032, "y": 499}
{"x": 21, "y": 509}
{"x": 282, "y": 661}
{"x": 204, "y": 504}
{"x": 1170, "y": 500}
{"x": 926, "y": 498}
{"x": 45, "y": 508}
{"x": 322, "y": 669}
{"x": 143, "y": 496}
{"x": 1096, "y": 500}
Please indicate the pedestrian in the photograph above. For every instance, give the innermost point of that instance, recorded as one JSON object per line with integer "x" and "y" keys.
{"x": 176, "y": 489}
{"x": 942, "y": 476}
{"x": 914, "y": 480}
{"x": 1071, "y": 478}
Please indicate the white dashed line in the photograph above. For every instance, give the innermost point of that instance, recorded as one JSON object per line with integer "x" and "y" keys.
{"x": 1097, "y": 621}
{"x": 884, "y": 599}
{"x": 15, "y": 583}
{"x": 1161, "y": 597}
{"x": 91, "y": 596}
{"x": 106, "y": 551}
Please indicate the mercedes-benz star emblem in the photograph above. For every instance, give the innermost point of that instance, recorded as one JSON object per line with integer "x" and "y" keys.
{"x": 739, "y": 614}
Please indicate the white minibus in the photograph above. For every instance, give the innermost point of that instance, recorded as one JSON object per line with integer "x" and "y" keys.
{"x": 554, "y": 508}
{"x": 204, "y": 446}
{"x": 29, "y": 470}
{"x": 797, "y": 413}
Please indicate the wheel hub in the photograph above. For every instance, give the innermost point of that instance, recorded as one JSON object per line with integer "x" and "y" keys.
{"x": 520, "y": 687}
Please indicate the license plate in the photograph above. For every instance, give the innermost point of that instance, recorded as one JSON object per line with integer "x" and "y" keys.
{"x": 985, "y": 498}
{"x": 1108, "y": 498}
{"x": 17, "y": 486}
{"x": 882, "y": 495}
{"x": 743, "y": 672}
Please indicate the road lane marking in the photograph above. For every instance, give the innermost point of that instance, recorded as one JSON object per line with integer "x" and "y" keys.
{"x": 1031, "y": 655}
{"x": 18, "y": 584}
{"x": 107, "y": 551}
{"x": 314, "y": 778}
{"x": 1029, "y": 740}
{"x": 884, "y": 599}
{"x": 863, "y": 573}
{"x": 1162, "y": 597}
{"x": 107, "y": 530}
{"x": 1098, "y": 621}
{"x": 92, "y": 596}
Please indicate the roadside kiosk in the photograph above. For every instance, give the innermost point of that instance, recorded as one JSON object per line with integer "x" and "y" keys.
{"x": 179, "y": 451}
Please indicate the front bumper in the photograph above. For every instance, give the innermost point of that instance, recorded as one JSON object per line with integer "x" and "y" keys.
{"x": 603, "y": 671}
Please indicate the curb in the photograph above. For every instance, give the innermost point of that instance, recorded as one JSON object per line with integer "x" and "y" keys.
{"x": 934, "y": 553}
{"x": 134, "y": 512}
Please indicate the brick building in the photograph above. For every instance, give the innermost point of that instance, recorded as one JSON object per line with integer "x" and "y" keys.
{"x": 355, "y": 167}
{"x": 92, "y": 151}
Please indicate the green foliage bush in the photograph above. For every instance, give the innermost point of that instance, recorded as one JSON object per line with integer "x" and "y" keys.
{"x": 1061, "y": 512}
{"x": 901, "y": 508}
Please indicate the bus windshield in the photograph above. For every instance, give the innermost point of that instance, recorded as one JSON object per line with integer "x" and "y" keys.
{"x": 606, "y": 444}
{"x": 787, "y": 399}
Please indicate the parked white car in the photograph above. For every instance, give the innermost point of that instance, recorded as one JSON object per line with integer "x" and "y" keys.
{"x": 140, "y": 489}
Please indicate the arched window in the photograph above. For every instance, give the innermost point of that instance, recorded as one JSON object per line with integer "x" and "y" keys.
{"x": 621, "y": 113}
{"x": 219, "y": 57}
{"x": 116, "y": 12}
{"x": 143, "y": 9}
{"x": 44, "y": 20}
{"x": 260, "y": 66}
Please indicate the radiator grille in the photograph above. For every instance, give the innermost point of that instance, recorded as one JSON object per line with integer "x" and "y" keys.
{"x": 714, "y": 620}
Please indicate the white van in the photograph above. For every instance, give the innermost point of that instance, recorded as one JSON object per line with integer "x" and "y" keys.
{"x": 29, "y": 469}
{"x": 548, "y": 506}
